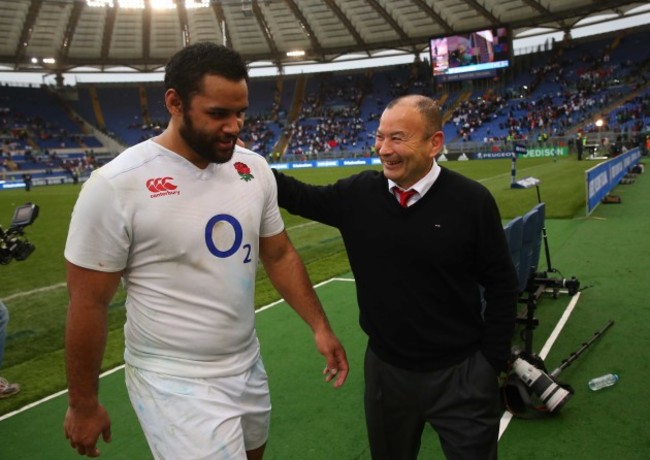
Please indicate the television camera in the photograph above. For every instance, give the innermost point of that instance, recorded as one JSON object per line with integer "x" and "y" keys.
{"x": 13, "y": 244}
{"x": 528, "y": 385}
{"x": 557, "y": 284}
{"x": 529, "y": 382}
{"x": 529, "y": 378}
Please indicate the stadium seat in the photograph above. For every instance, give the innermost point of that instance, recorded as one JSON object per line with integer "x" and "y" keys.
{"x": 514, "y": 233}
{"x": 530, "y": 236}
{"x": 537, "y": 243}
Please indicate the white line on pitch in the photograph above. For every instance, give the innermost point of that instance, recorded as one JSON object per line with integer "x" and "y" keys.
{"x": 62, "y": 285}
{"x": 120, "y": 367}
{"x": 34, "y": 291}
{"x": 507, "y": 416}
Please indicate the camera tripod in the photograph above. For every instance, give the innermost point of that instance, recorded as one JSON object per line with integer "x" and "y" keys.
{"x": 539, "y": 283}
{"x": 576, "y": 354}
{"x": 554, "y": 284}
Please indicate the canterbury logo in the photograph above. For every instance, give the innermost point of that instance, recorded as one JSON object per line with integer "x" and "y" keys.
{"x": 162, "y": 186}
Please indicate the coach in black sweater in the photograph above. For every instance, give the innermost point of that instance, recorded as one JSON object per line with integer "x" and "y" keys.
{"x": 436, "y": 340}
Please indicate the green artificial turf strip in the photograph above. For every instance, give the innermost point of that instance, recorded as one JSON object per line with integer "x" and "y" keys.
{"x": 36, "y": 328}
{"x": 607, "y": 252}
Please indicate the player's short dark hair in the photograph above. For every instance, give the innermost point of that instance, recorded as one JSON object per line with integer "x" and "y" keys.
{"x": 185, "y": 70}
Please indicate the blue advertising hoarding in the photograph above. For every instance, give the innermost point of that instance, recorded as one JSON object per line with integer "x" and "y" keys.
{"x": 601, "y": 179}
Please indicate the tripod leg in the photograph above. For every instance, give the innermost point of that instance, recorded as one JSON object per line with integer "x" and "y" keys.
{"x": 530, "y": 326}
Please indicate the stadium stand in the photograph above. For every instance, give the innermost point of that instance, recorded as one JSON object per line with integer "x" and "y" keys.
{"x": 549, "y": 96}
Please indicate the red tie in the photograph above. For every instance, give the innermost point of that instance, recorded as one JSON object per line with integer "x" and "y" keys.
{"x": 404, "y": 196}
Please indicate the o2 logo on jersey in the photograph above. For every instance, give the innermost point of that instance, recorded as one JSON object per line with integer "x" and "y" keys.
{"x": 217, "y": 226}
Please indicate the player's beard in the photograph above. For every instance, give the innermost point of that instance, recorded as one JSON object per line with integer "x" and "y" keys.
{"x": 204, "y": 144}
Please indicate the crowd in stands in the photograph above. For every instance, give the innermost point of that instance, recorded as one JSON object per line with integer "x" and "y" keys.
{"x": 632, "y": 116}
{"x": 567, "y": 88}
{"x": 470, "y": 115}
{"x": 330, "y": 118}
{"x": 29, "y": 144}
{"x": 569, "y": 93}
{"x": 46, "y": 164}
{"x": 258, "y": 136}
{"x": 148, "y": 130}
{"x": 336, "y": 130}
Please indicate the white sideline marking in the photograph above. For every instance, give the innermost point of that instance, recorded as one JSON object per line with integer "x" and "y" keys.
{"x": 509, "y": 173}
{"x": 118, "y": 368}
{"x": 61, "y": 285}
{"x": 34, "y": 404}
{"x": 507, "y": 416}
{"x": 505, "y": 419}
{"x": 306, "y": 224}
{"x": 34, "y": 291}
{"x": 55, "y": 395}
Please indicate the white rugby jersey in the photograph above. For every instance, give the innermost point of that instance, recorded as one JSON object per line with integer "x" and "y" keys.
{"x": 187, "y": 240}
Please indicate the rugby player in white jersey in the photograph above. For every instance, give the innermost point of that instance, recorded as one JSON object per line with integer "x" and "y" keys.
{"x": 182, "y": 220}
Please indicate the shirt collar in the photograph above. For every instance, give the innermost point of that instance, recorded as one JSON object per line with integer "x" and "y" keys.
{"x": 423, "y": 185}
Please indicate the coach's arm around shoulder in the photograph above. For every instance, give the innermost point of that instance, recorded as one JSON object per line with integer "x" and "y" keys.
{"x": 90, "y": 293}
{"x": 289, "y": 276}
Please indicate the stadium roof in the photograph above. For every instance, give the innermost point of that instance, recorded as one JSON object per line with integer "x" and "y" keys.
{"x": 55, "y": 36}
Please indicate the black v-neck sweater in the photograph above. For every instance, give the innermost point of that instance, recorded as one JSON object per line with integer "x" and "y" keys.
{"x": 419, "y": 270}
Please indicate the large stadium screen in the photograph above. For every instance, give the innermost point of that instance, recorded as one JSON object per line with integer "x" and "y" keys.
{"x": 471, "y": 55}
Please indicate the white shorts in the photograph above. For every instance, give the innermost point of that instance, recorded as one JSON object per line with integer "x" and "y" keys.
{"x": 216, "y": 418}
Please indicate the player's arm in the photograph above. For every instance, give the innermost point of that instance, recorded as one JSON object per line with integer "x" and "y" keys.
{"x": 289, "y": 276}
{"x": 90, "y": 293}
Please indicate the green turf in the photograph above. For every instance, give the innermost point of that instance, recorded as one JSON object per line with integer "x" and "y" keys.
{"x": 36, "y": 328}
{"x": 608, "y": 252}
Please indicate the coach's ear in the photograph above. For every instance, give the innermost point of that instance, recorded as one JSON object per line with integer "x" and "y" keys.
{"x": 437, "y": 141}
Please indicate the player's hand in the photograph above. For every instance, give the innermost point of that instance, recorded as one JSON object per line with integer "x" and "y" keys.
{"x": 83, "y": 427}
{"x": 336, "y": 367}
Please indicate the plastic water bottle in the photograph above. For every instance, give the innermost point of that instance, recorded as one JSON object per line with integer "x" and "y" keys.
{"x": 603, "y": 381}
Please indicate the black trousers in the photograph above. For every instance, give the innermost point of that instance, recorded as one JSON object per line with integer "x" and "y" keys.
{"x": 461, "y": 403}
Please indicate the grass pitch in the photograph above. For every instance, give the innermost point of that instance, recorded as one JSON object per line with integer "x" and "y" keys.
{"x": 34, "y": 289}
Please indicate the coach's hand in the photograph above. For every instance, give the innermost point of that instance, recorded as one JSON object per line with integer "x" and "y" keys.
{"x": 83, "y": 427}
